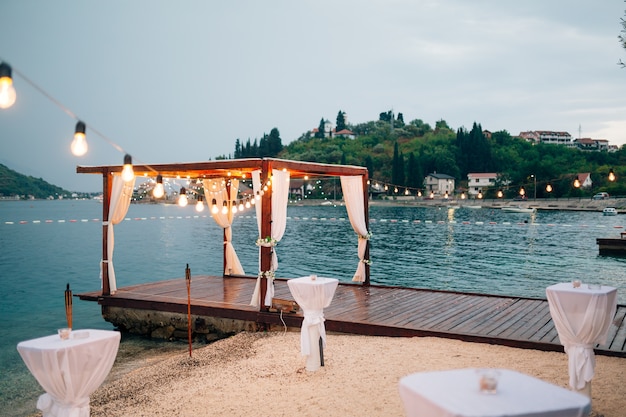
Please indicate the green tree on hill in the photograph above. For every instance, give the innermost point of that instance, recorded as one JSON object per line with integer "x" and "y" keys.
{"x": 320, "y": 130}
{"x": 341, "y": 121}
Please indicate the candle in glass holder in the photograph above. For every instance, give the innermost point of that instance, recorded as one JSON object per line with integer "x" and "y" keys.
{"x": 64, "y": 333}
{"x": 576, "y": 283}
{"x": 488, "y": 382}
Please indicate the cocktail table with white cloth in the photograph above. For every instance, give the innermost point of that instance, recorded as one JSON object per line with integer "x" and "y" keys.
{"x": 582, "y": 316}
{"x": 456, "y": 393}
{"x": 70, "y": 370}
{"x": 313, "y": 294}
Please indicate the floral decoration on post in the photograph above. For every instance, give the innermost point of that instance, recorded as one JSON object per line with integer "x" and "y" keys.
{"x": 366, "y": 237}
{"x": 267, "y": 274}
{"x": 366, "y": 261}
{"x": 267, "y": 241}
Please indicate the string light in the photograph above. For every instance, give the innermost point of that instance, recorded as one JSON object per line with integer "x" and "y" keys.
{"x": 224, "y": 207}
{"x": 549, "y": 188}
{"x": 7, "y": 91}
{"x": 500, "y": 194}
{"x": 576, "y": 183}
{"x": 182, "y": 198}
{"x": 241, "y": 206}
{"x": 522, "y": 191}
{"x": 214, "y": 208}
{"x": 199, "y": 203}
{"x": 127, "y": 172}
{"x": 233, "y": 207}
{"x": 612, "y": 176}
{"x": 158, "y": 191}
{"x": 79, "y": 144}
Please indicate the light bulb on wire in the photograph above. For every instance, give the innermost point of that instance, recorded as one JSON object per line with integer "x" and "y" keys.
{"x": 214, "y": 208}
{"x": 182, "y": 197}
{"x": 612, "y": 176}
{"x": 127, "y": 172}
{"x": 7, "y": 91}
{"x": 158, "y": 191}
{"x": 199, "y": 204}
{"x": 79, "y": 144}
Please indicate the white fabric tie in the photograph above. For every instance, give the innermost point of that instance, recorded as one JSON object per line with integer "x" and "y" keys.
{"x": 581, "y": 363}
{"x": 51, "y": 406}
{"x": 311, "y": 318}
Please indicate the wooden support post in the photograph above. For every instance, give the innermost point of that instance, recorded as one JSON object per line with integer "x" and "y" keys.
{"x": 266, "y": 228}
{"x": 367, "y": 225}
{"x": 107, "y": 186}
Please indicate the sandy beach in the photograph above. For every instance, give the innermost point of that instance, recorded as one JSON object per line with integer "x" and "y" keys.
{"x": 263, "y": 374}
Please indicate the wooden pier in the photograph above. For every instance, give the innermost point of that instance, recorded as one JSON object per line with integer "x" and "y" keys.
{"x": 371, "y": 310}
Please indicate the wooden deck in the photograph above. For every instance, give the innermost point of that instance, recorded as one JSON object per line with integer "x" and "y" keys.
{"x": 374, "y": 310}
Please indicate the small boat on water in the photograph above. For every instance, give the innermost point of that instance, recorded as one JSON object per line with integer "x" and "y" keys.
{"x": 609, "y": 211}
{"x": 518, "y": 209}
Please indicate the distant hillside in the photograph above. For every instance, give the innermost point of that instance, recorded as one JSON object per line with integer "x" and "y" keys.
{"x": 14, "y": 184}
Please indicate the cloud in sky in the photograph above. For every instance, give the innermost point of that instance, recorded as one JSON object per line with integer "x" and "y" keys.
{"x": 181, "y": 81}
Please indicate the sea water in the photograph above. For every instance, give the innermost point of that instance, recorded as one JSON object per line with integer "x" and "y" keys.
{"x": 45, "y": 245}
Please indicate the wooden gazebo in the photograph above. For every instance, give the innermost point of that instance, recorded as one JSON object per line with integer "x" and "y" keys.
{"x": 236, "y": 168}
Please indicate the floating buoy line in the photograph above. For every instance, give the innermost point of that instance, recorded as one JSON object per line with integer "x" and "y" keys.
{"x": 320, "y": 219}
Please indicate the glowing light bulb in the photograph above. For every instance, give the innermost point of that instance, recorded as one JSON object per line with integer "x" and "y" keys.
{"x": 240, "y": 207}
{"x": 214, "y": 208}
{"x": 158, "y": 190}
{"x": 248, "y": 202}
{"x": 549, "y": 188}
{"x": 7, "y": 91}
{"x": 182, "y": 198}
{"x": 612, "y": 176}
{"x": 233, "y": 207}
{"x": 79, "y": 144}
{"x": 577, "y": 183}
{"x": 127, "y": 172}
{"x": 199, "y": 204}
{"x": 225, "y": 208}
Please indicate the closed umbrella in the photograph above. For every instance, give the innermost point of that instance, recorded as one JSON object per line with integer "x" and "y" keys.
{"x": 68, "y": 306}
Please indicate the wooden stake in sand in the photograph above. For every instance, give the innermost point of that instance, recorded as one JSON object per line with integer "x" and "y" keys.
{"x": 188, "y": 280}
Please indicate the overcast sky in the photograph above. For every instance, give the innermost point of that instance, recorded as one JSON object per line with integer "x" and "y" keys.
{"x": 180, "y": 81}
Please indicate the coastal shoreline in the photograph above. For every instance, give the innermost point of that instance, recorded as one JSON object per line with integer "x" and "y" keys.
{"x": 564, "y": 204}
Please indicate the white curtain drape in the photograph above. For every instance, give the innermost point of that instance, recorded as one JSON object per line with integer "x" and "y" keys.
{"x": 352, "y": 188}
{"x": 215, "y": 188}
{"x": 280, "y": 198}
{"x": 121, "y": 193}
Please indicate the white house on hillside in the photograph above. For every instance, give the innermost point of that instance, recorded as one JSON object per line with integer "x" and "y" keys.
{"x": 439, "y": 184}
{"x": 479, "y": 181}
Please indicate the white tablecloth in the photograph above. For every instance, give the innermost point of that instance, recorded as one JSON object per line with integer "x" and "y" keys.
{"x": 455, "y": 393}
{"x": 582, "y": 317}
{"x": 70, "y": 370}
{"x": 313, "y": 295}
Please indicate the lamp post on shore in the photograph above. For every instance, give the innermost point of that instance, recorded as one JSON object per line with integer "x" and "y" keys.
{"x": 534, "y": 177}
